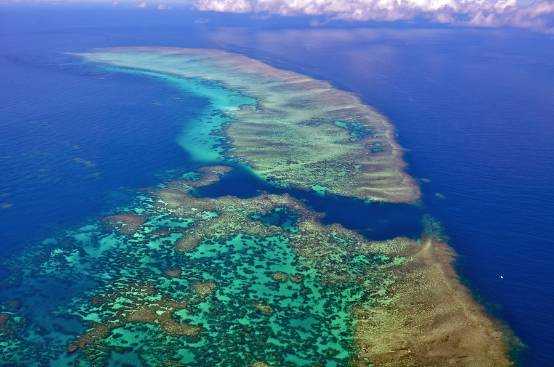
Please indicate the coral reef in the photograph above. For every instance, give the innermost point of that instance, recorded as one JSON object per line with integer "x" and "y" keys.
{"x": 127, "y": 223}
{"x": 204, "y": 289}
{"x": 294, "y": 130}
{"x": 136, "y": 303}
{"x": 237, "y": 281}
{"x": 241, "y": 294}
{"x": 176, "y": 278}
{"x": 431, "y": 318}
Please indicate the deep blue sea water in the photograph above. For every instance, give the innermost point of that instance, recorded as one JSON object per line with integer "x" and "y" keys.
{"x": 473, "y": 108}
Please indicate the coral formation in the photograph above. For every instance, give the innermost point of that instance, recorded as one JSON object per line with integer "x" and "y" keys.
{"x": 204, "y": 289}
{"x": 294, "y": 130}
{"x": 176, "y": 278}
{"x": 430, "y": 318}
{"x": 127, "y": 223}
{"x": 238, "y": 281}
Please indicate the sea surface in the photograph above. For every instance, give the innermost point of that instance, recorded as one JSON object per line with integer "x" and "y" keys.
{"x": 473, "y": 109}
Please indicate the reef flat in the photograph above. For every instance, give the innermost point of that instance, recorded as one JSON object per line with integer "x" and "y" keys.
{"x": 288, "y": 128}
{"x": 175, "y": 279}
{"x": 431, "y": 319}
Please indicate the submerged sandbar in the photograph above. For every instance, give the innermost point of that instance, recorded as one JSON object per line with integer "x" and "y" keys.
{"x": 296, "y": 131}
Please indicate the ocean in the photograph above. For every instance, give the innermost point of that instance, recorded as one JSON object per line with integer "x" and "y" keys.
{"x": 472, "y": 107}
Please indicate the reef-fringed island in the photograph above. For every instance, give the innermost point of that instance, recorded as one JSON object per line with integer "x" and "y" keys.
{"x": 288, "y": 128}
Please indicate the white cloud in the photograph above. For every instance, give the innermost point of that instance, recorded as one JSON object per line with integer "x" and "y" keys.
{"x": 531, "y": 14}
{"x": 535, "y": 14}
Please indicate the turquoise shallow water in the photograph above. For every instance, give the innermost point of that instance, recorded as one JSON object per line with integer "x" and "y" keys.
{"x": 117, "y": 294}
{"x": 201, "y": 138}
{"x": 471, "y": 107}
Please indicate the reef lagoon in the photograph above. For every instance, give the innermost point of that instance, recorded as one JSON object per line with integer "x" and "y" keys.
{"x": 204, "y": 195}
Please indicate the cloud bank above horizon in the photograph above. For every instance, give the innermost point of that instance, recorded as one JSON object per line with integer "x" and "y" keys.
{"x": 530, "y": 14}
{"x": 533, "y": 14}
